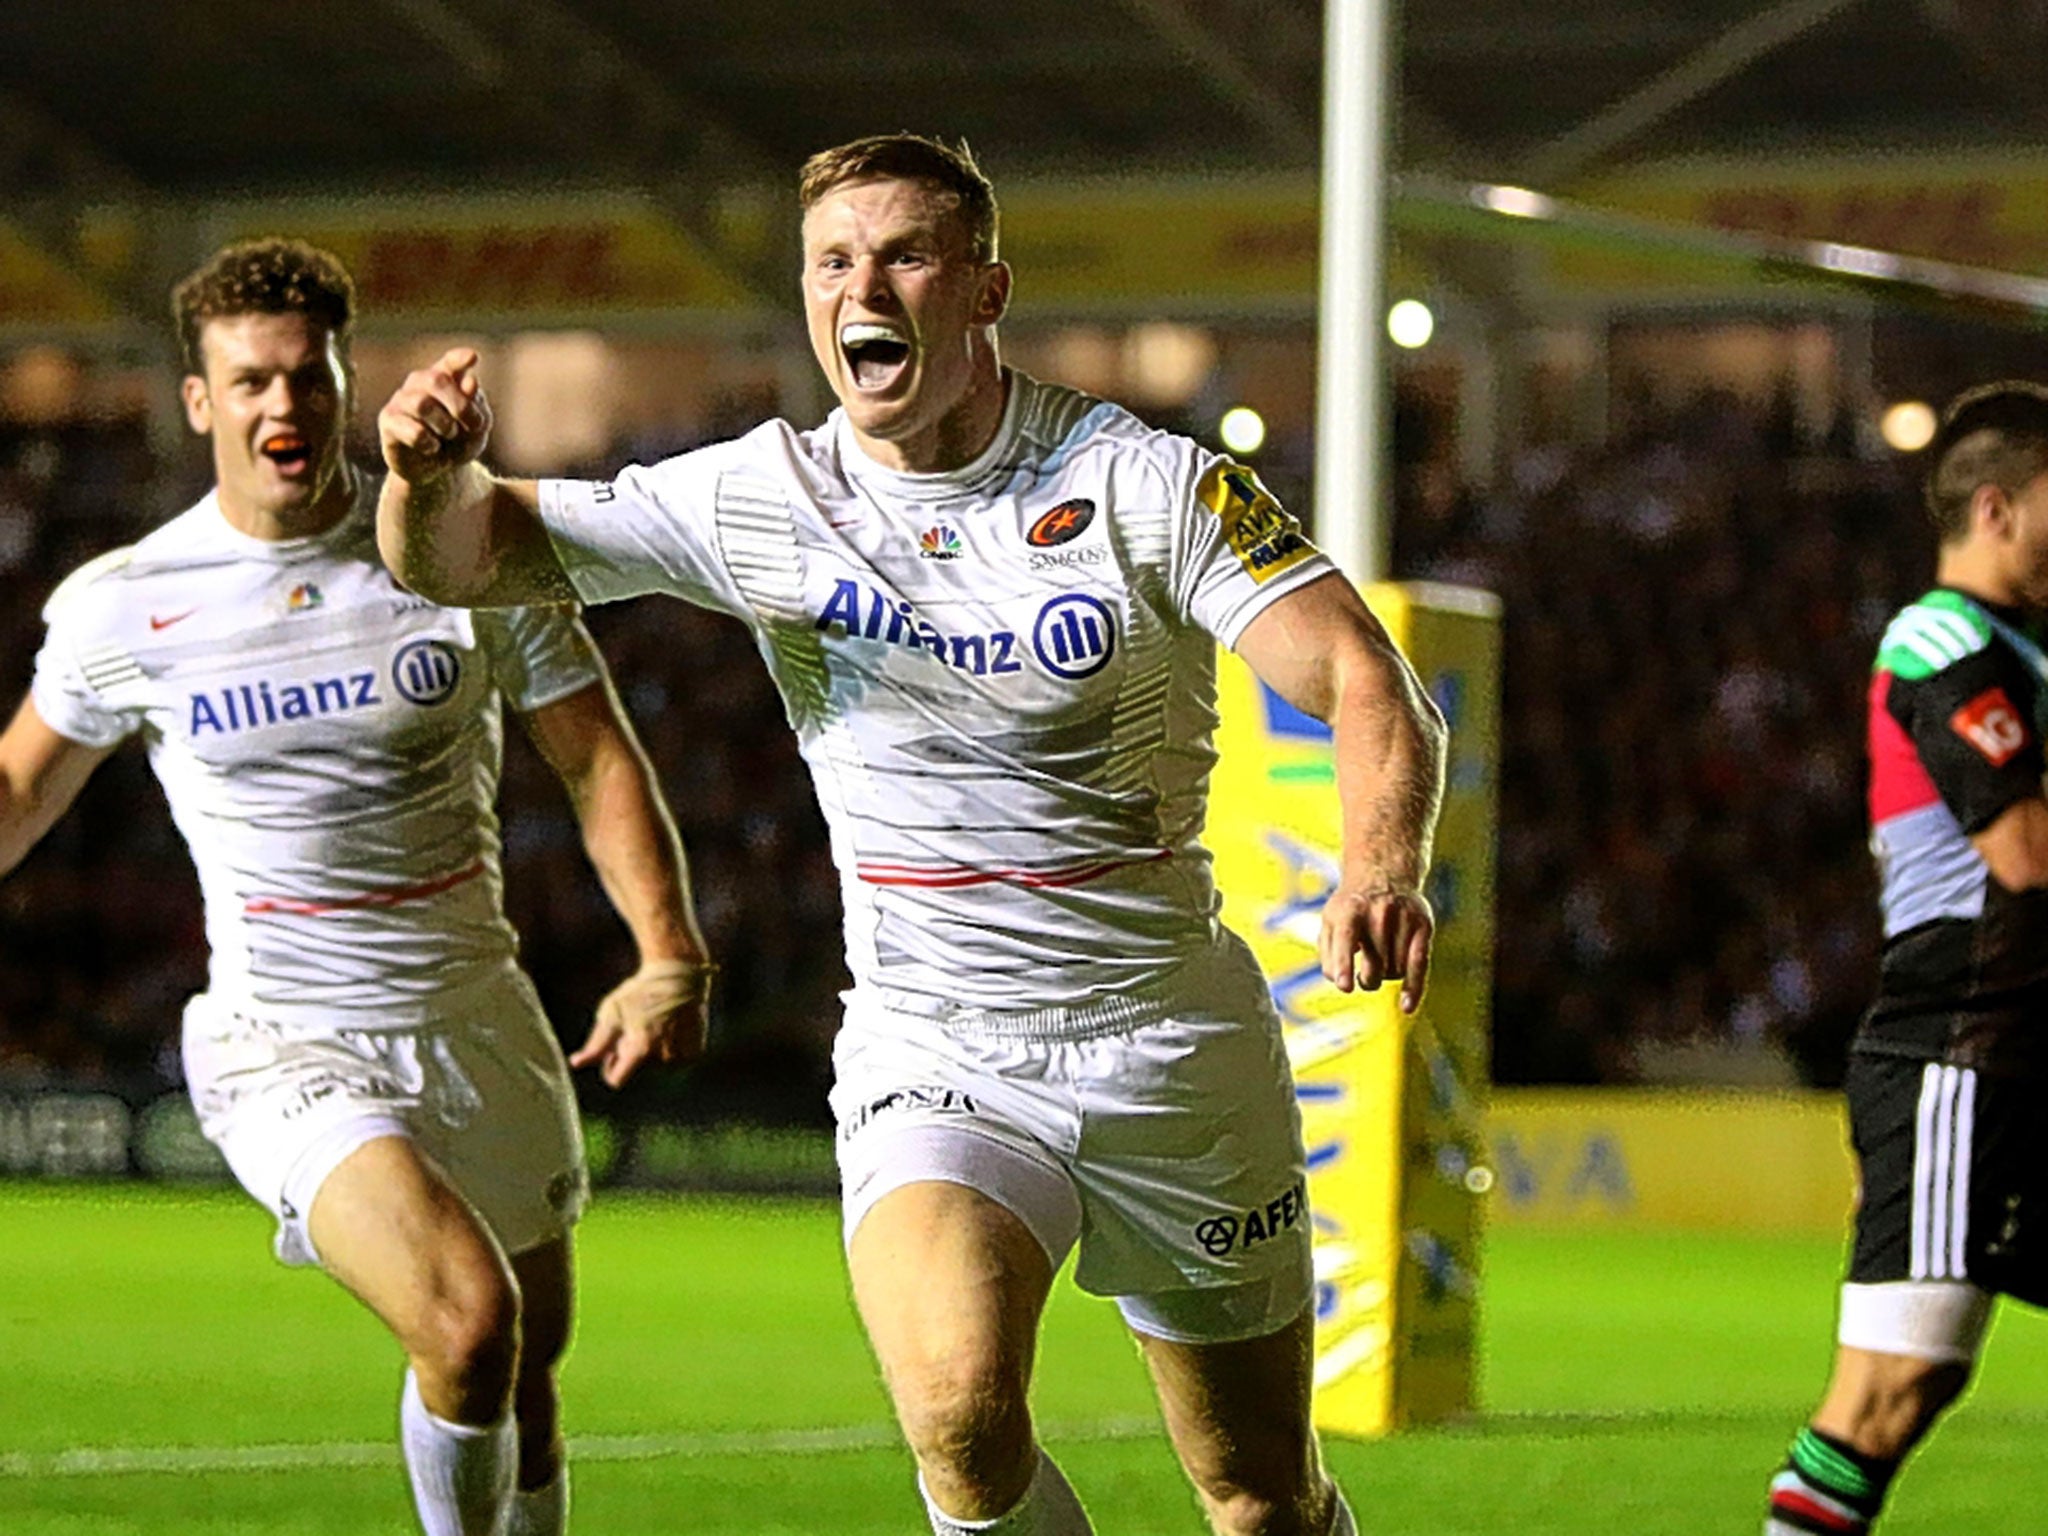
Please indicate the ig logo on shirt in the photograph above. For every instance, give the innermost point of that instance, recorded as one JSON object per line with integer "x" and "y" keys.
{"x": 426, "y": 671}
{"x": 1075, "y": 636}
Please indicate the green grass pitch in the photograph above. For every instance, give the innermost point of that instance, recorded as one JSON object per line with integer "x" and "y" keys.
{"x": 160, "y": 1374}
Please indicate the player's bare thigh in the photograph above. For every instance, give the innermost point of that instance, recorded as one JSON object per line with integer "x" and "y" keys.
{"x": 950, "y": 1286}
{"x": 391, "y": 1228}
{"x": 1238, "y": 1416}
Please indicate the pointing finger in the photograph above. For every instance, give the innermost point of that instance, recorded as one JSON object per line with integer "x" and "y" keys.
{"x": 604, "y": 1034}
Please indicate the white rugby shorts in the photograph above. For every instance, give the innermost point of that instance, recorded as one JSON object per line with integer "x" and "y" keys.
{"x": 483, "y": 1091}
{"x": 1168, "y": 1145}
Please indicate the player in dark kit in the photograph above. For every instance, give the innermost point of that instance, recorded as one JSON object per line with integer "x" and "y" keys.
{"x": 1946, "y": 1075}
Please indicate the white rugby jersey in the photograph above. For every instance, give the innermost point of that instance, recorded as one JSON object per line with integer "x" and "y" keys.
{"x": 329, "y": 745}
{"x": 1002, "y": 677}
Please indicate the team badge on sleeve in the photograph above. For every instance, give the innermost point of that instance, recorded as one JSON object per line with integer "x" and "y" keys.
{"x": 1263, "y": 536}
{"x": 1991, "y": 724}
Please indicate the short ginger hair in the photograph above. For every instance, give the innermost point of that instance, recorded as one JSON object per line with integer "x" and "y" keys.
{"x": 263, "y": 277}
{"x": 948, "y": 171}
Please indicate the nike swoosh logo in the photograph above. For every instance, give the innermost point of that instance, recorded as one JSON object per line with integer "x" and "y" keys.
{"x": 157, "y": 623}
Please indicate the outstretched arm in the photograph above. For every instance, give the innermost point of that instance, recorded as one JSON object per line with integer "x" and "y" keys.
{"x": 661, "y": 1010}
{"x": 41, "y": 773}
{"x": 1321, "y": 649}
{"x": 446, "y": 526}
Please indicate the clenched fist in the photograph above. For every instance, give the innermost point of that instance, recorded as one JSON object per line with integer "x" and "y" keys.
{"x": 438, "y": 421}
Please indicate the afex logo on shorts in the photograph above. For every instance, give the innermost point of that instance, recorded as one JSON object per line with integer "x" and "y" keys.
{"x": 1220, "y": 1235}
{"x": 1991, "y": 724}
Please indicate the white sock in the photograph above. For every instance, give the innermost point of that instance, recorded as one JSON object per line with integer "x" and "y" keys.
{"x": 1341, "y": 1521}
{"x": 542, "y": 1511}
{"x": 1049, "y": 1508}
{"x": 461, "y": 1475}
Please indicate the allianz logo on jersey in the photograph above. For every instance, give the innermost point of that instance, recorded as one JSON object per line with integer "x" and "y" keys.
{"x": 1073, "y": 637}
{"x": 423, "y": 672}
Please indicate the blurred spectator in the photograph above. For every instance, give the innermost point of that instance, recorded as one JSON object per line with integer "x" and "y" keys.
{"x": 1690, "y": 620}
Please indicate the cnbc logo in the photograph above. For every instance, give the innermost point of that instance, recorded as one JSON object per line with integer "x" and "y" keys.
{"x": 939, "y": 543}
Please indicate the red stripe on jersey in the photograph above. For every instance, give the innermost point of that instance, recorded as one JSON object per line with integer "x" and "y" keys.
{"x": 368, "y": 902}
{"x": 1898, "y": 780}
{"x": 959, "y": 874}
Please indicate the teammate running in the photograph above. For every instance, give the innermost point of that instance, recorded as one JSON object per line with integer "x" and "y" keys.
{"x": 1947, "y": 1071}
{"x": 991, "y": 606}
{"x": 368, "y": 1054}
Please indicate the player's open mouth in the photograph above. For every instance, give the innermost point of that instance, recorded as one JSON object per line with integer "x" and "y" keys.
{"x": 288, "y": 451}
{"x": 878, "y": 355}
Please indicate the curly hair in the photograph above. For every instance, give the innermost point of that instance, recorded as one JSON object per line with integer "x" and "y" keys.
{"x": 910, "y": 157}
{"x": 263, "y": 277}
{"x": 1994, "y": 434}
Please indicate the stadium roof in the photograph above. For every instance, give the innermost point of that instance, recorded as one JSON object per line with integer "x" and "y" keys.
{"x": 205, "y": 98}
{"x": 171, "y": 111}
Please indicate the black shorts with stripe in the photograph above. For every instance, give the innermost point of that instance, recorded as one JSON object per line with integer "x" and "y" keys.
{"x": 1954, "y": 1176}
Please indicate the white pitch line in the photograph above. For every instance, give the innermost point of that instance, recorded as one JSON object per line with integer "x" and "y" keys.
{"x": 106, "y": 1461}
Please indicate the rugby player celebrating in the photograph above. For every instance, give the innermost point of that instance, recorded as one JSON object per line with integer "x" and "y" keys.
{"x": 368, "y": 1054}
{"x": 991, "y": 606}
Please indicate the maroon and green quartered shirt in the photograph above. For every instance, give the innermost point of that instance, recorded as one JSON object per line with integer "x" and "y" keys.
{"x": 1955, "y": 741}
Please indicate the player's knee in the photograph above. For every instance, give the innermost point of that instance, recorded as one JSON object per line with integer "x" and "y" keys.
{"x": 967, "y": 1420}
{"x": 1275, "y": 1494}
{"x": 1895, "y": 1409}
{"x": 1908, "y": 1404}
{"x": 469, "y": 1336}
{"x": 540, "y": 1436}
{"x": 1238, "y": 1511}
{"x": 537, "y": 1407}
{"x": 535, "y": 1393}
{"x": 542, "y": 1343}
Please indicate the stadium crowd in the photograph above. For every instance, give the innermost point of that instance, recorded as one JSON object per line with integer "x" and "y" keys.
{"x": 1690, "y": 615}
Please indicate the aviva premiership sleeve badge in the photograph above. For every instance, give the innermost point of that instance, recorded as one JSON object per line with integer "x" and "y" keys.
{"x": 1263, "y": 536}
